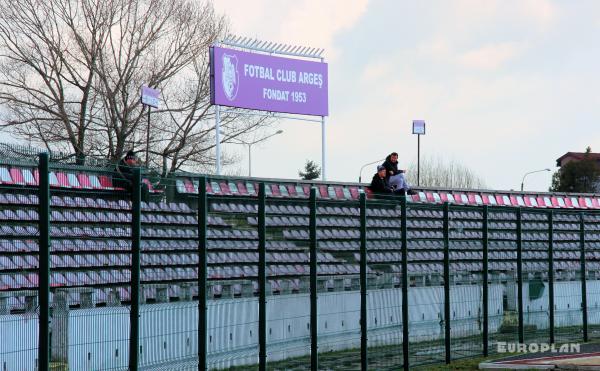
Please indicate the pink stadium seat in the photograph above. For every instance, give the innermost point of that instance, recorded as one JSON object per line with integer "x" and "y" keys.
{"x": 513, "y": 200}
{"x": 471, "y": 197}
{"x": 444, "y": 196}
{"x": 84, "y": 181}
{"x": 224, "y": 188}
{"x": 306, "y": 189}
{"x": 105, "y": 182}
{"x": 527, "y": 201}
{"x": 554, "y": 201}
{"x": 242, "y": 188}
{"x": 63, "y": 180}
{"x": 274, "y": 190}
{"x": 458, "y": 198}
{"x": 368, "y": 192}
{"x": 540, "y": 201}
{"x": 291, "y": 190}
{"x": 499, "y": 200}
{"x": 17, "y": 176}
{"x": 323, "y": 191}
{"x": 354, "y": 192}
{"x": 596, "y": 203}
{"x": 568, "y": 202}
{"x": 429, "y": 196}
{"x": 150, "y": 186}
{"x": 339, "y": 193}
{"x": 486, "y": 198}
{"x": 189, "y": 186}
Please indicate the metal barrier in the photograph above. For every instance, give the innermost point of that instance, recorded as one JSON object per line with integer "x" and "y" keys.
{"x": 280, "y": 282}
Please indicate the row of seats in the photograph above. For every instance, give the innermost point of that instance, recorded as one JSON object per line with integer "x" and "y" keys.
{"x": 351, "y": 192}
{"x": 63, "y": 179}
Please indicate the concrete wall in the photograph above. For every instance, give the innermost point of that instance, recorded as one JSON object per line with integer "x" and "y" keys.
{"x": 98, "y": 337}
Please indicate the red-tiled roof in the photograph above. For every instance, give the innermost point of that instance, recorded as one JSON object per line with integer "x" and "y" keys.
{"x": 577, "y": 156}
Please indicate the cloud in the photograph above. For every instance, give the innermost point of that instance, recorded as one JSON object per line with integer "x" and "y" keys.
{"x": 312, "y": 23}
{"x": 491, "y": 57}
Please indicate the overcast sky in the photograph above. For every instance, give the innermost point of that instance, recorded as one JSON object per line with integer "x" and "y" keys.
{"x": 505, "y": 87}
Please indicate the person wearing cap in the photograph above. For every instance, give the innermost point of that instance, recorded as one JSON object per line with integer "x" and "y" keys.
{"x": 124, "y": 178}
{"x": 379, "y": 183}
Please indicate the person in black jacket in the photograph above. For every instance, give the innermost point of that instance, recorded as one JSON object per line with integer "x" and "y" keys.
{"x": 391, "y": 165}
{"x": 395, "y": 177}
{"x": 124, "y": 174}
{"x": 379, "y": 184}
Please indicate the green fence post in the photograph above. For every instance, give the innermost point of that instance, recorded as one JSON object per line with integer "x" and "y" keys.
{"x": 363, "y": 282}
{"x": 404, "y": 238}
{"x": 583, "y": 276}
{"x": 551, "y": 275}
{"x": 520, "y": 273}
{"x": 134, "y": 314}
{"x": 202, "y": 273}
{"x": 485, "y": 241}
{"x": 262, "y": 279}
{"x": 447, "y": 315}
{"x": 44, "y": 265}
{"x": 314, "y": 329}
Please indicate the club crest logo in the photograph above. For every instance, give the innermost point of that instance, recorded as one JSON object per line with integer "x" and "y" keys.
{"x": 229, "y": 76}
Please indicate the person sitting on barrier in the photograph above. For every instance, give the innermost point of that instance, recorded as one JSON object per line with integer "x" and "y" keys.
{"x": 124, "y": 178}
{"x": 391, "y": 165}
{"x": 379, "y": 183}
{"x": 395, "y": 177}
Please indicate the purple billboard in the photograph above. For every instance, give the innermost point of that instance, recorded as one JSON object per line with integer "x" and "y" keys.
{"x": 267, "y": 83}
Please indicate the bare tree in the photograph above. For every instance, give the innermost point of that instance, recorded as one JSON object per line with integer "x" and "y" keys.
{"x": 71, "y": 72}
{"x": 438, "y": 172}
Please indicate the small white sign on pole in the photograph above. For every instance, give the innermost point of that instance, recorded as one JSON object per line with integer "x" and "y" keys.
{"x": 150, "y": 97}
{"x": 419, "y": 127}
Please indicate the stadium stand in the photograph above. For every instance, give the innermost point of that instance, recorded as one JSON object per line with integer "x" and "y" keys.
{"x": 91, "y": 243}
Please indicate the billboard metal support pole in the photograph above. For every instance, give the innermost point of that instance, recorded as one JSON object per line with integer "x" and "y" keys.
{"x": 44, "y": 265}
{"x": 202, "y": 270}
{"x": 218, "y": 137}
{"x": 363, "y": 282}
{"x": 323, "y": 149}
{"x": 262, "y": 279}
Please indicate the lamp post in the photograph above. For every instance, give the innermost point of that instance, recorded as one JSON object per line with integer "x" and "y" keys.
{"x": 250, "y": 144}
{"x": 418, "y": 129}
{"x": 531, "y": 172}
{"x": 365, "y": 165}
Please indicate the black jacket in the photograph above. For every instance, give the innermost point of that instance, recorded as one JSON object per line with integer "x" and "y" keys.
{"x": 380, "y": 185}
{"x": 390, "y": 167}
